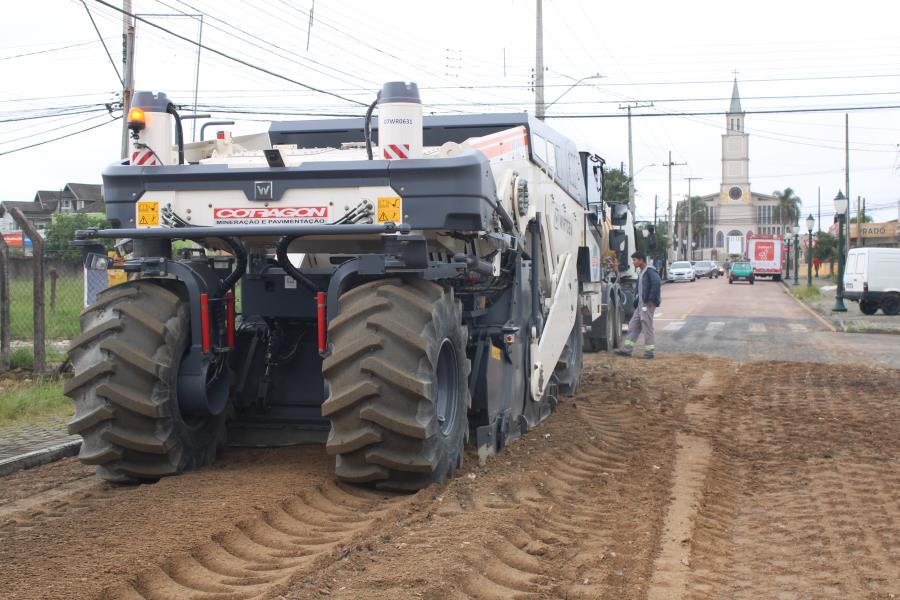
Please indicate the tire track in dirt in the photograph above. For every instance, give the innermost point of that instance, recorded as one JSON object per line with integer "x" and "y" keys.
{"x": 692, "y": 462}
{"x": 570, "y": 510}
{"x": 807, "y": 473}
{"x": 257, "y": 554}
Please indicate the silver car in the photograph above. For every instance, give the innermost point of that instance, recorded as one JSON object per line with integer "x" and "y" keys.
{"x": 681, "y": 271}
{"x": 705, "y": 268}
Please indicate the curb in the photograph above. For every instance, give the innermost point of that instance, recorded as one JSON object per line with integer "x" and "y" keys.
{"x": 820, "y": 318}
{"x": 39, "y": 457}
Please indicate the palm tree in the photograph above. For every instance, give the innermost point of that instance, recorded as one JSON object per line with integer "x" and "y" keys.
{"x": 697, "y": 213}
{"x": 788, "y": 207}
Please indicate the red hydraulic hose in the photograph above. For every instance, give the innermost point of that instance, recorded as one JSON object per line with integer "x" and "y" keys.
{"x": 229, "y": 318}
{"x": 204, "y": 322}
{"x": 320, "y": 313}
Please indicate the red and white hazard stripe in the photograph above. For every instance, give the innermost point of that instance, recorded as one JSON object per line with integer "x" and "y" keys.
{"x": 394, "y": 151}
{"x": 143, "y": 158}
{"x": 509, "y": 143}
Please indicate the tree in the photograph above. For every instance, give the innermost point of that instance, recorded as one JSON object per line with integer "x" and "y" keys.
{"x": 61, "y": 231}
{"x": 865, "y": 219}
{"x": 698, "y": 214}
{"x": 788, "y": 207}
{"x": 826, "y": 248}
{"x": 615, "y": 186}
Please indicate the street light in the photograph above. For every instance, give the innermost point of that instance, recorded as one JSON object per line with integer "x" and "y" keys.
{"x": 787, "y": 243}
{"x": 573, "y": 86}
{"x": 840, "y": 209}
{"x": 796, "y": 254}
{"x": 810, "y": 222}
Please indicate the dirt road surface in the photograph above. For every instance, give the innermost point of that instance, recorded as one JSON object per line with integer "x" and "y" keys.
{"x": 688, "y": 477}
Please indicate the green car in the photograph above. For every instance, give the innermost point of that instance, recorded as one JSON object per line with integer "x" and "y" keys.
{"x": 741, "y": 270}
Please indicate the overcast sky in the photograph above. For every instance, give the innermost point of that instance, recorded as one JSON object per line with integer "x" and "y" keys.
{"x": 472, "y": 56}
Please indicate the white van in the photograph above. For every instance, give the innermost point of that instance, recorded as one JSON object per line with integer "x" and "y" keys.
{"x": 872, "y": 278}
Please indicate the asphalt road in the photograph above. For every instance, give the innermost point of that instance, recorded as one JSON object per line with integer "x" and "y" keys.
{"x": 759, "y": 322}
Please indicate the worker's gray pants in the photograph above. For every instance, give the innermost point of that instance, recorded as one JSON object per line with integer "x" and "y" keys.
{"x": 641, "y": 320}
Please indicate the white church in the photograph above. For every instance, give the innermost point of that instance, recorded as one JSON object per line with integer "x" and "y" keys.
{"x": 736, "y": 211}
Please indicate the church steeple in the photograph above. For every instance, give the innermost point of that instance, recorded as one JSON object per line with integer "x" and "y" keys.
{"x": 735, "y": 107}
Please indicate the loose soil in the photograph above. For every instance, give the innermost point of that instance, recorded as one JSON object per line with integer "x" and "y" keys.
{"x": 688, "y": 477}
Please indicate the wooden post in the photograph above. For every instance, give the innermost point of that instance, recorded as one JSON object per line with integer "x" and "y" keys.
{"x": 54, "y": 275}
{"x": 37, "y": 245}
{"x": 4, "y": 306}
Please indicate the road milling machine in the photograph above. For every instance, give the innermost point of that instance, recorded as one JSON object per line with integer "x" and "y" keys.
{"x": 393, "y": 286}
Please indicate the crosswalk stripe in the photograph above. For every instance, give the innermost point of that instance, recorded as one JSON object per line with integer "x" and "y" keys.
{"x": 674, "y": 326}
{"x": 758, "y": 327}
{"x": 797, "y": 327}
{"x": 715, "y": 326}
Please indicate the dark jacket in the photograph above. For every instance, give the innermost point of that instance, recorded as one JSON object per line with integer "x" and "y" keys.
{"x": 650, "y": 285}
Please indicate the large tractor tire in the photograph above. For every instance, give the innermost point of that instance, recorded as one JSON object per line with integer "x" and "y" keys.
{"x": 124, "y": 388}
{"x": 568, "y": 367}
{"x": 397, "y": 385}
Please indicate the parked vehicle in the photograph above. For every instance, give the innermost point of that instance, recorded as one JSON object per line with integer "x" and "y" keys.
{"x": 766, "y": 256}
{"x": 872, "y": 278}
{"x": 741, "y": 271}
{"x": 705, "y": 268}
{"x": 681, "y": 271}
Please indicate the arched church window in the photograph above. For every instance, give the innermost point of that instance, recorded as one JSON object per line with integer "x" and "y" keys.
{"x": 720, "y": 240}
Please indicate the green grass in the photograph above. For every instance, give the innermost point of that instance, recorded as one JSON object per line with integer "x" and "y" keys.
{"x": 61, "y": 320}
{"x": 23, "y": 401}
{"x": 806, "y": 293}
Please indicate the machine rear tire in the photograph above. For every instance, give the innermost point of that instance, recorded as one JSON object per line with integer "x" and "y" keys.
{"x": 569, "y": 365}
{"x": 890, "y": 304}
{"x": 397, "y": 385}
{"x": 126, "y": 371}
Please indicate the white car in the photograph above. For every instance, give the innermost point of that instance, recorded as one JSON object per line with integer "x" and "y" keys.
{"x": 872, "y": 278}
{"x": 681, "y": 271}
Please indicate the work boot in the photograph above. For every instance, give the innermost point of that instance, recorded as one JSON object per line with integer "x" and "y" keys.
{"x": 647, "y": 354}
{"x": 623, "y": 351}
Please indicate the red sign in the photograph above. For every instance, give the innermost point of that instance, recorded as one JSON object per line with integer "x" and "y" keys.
{"x": 14, "y": 240}
{"x": 764, "y": 250}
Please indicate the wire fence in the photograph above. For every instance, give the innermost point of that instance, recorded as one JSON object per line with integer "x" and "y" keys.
{"x": 41, "y": 299}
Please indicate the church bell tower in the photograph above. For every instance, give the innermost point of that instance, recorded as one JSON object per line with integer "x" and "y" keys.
{"x": 735, "y": 155}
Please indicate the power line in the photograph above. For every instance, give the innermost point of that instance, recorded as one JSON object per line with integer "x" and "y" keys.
{"x": 230, "y": 57}
{"x": 97, "y": 29}
{"x": 62, "y": 137}
{"x": 48, "y": 50}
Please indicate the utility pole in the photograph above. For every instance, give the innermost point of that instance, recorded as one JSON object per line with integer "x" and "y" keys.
{"x": 128, "y": 62}
{"x": 628, "y": 107}
{"x": 655, "y": 207}
{"x": 819, "y": 212}
{"x": 690, "y": 217}
{"x": 539, "y": 63}
{"x": 671, "y": 164}
{"x": 844, "y": 250}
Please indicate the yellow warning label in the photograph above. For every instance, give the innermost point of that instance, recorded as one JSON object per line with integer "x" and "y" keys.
{"x": 147, "y": 214}
{"x": 389, "y": 209}
{"x": 496, "y": 354}
{"x": 115, "y": 276}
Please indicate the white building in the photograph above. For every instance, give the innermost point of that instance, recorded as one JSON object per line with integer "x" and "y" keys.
{"x": 735, "y": 211}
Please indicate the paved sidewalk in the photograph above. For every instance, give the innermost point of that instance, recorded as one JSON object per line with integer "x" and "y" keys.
{"x": 18, "y": 439}
{"x": 852, "y": 321}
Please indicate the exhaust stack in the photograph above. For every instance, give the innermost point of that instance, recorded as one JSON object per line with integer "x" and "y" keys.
{"x": 399, "y": 121}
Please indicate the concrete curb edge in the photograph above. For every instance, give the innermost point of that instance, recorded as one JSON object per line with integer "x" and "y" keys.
{"x": 39, "y": 457}
{"x": 820, "y": 318}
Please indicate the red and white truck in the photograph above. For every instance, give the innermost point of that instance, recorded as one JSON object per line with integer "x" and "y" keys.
{"x": 766, "y": 253}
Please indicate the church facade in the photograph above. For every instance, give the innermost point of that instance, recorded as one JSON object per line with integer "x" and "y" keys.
{"x": 735, "y": 211}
